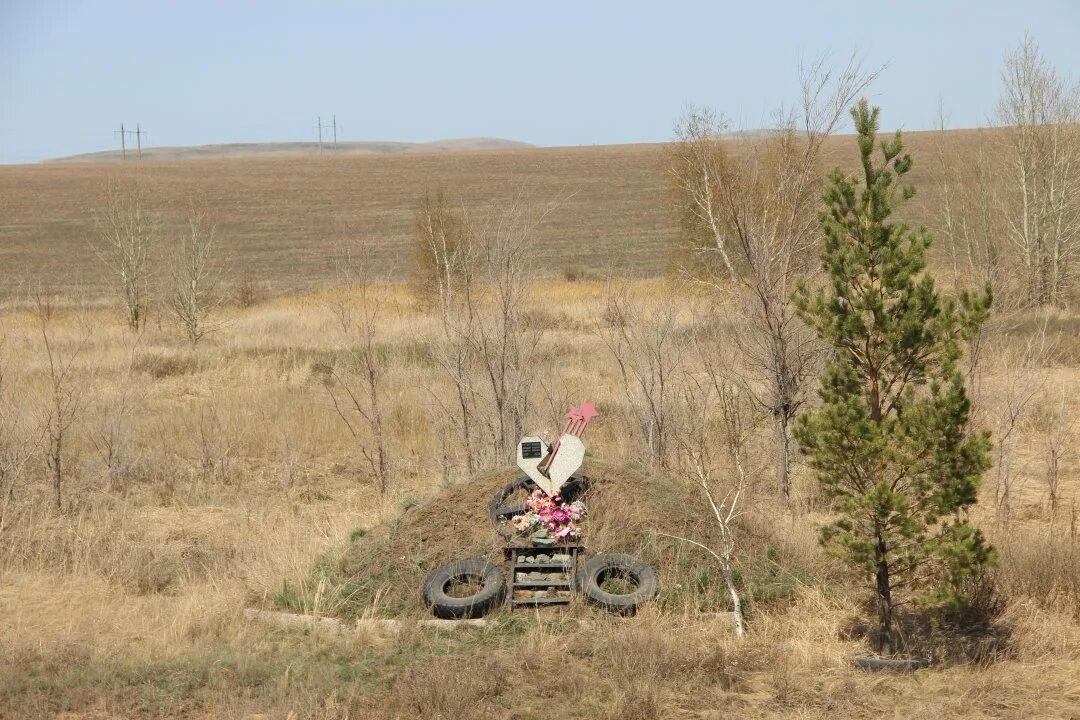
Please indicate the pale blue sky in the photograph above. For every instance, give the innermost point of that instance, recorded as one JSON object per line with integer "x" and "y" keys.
{"x": 549, "y": 73}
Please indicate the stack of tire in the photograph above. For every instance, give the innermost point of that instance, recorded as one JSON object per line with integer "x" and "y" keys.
{"x": 490, "y": 580}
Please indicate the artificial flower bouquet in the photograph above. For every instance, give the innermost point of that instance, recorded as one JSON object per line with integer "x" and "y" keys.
{"x": 549, "y": 520}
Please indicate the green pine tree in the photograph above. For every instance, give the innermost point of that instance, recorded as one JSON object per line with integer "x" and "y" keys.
{"x": 890, "y": 444}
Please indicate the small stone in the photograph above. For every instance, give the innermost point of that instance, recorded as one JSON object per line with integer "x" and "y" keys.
{"x": 543, "y": 558}
{"x": 560, "y": 557}
{"x": 540, "y": 594}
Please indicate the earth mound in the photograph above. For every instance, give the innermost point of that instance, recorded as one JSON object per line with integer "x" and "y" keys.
{"x": 381, "y": 571}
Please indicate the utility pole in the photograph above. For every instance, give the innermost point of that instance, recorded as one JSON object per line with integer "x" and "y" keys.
{"x": 138, "y": 132}
{"x": 335, "y": 133}
{"x": 138, "y": 138}
{"x": 319, "y": 124}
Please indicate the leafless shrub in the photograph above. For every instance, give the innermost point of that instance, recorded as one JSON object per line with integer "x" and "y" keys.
{"x": 1023, "y": 378}
{"x": 217, "y": 442}
{"x": 128, "y": 242}
{"x": 192, "y": 296}
{"x": 1060, "y": 423}
{"x": 506, "y": 345}
{"x": 246, "y": 293}
{"x": 293, "y": 451}
{"x": 112, "y": 427}
{"x": 19, "y": 434}
{"x": 66, "y": 394}
{"x": 644, "y": 343}
{"x": 355, "y": 383}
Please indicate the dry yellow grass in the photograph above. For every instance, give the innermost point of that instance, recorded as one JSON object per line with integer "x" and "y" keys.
{"x": 240, "y": 480}
{"x": 280, "y": 219}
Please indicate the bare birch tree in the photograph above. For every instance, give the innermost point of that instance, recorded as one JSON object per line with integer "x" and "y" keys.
{"x": 441, "y": 254}
{"x": 455, "y": 353}
{"x": 1041, "y": 205}
{"x": 748, "y": 219}
{"x": 507, "y": 345}
{"x": 192, "y": 295}
{"x": 487, "y": 348}
{"x": 128, "y": 241}
{"x": 969, "y": 218}
{"x": 709, "y": 398}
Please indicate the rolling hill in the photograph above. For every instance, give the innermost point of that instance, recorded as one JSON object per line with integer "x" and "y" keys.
{"x": 280, "y": 217}
{"x": 278, "y": 149}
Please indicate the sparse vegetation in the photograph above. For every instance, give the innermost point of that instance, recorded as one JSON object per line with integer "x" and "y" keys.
{"x": 202, "y": 526}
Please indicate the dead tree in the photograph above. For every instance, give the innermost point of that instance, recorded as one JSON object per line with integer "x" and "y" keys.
{"x": 128, "y": 241}
{"x": 748, "y": 217}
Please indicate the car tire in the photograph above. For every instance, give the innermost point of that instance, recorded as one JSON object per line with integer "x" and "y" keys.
{"x": 491, "y": 592}
{"x": 591, "y": 577}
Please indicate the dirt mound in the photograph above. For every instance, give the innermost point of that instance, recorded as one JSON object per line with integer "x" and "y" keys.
{"x": 628, "y": 511}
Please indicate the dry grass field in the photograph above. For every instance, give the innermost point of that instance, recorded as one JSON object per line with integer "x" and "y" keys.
{"x": 279, "y": 218}
{"x": 234, "y": 485}
{"x": 203, "y": 481}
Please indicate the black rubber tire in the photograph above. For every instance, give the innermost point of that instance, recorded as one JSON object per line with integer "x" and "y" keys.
{"x": 447, "y": 607}
{"x": 593, "y": 573}
{"x": 895, "y": 665}
{"x": 499, "y": 510}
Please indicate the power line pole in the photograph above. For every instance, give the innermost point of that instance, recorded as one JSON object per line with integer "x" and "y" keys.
{"x": 335, "y": 133}
{"x": 138, "y": 132}
{"x": 138, "y": 138}
{"x": 319, "y": 124}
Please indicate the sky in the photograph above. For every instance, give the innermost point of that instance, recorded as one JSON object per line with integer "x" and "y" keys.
{"x": 550, "y": 73}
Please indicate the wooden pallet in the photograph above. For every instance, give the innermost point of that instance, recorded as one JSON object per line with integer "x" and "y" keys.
{"x": 558, "y": 571}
